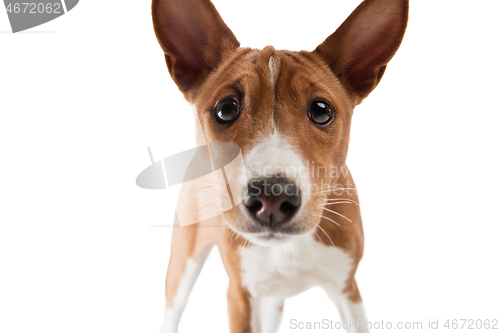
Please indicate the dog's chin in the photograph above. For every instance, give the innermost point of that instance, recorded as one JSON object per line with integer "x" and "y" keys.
{"x": 268, "y": 239}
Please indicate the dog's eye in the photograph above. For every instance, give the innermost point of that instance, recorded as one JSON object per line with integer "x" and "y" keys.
{"x": 321, "y": 112}
{"x": 226, "y": 110}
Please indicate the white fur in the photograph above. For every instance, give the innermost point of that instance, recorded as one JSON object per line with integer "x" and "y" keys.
{"x": 274, "y": 155}
{"x": 270, "y": 313}
{"x": 266, "y": 314}
{"x": 173, "y": 314}
{"x": 290, "y": 268}
{"x": 276, "y": 272}
{"x": 351, "y": 314}
{"x": 273, "y": 70}
{"x": 255, "y": 316}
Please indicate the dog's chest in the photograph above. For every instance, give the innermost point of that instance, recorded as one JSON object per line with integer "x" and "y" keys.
{"x": 289, "y": 269}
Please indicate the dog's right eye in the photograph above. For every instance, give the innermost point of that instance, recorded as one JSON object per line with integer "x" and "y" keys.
{"x": 321, "y": 112}
{"x": 226, "y": 110}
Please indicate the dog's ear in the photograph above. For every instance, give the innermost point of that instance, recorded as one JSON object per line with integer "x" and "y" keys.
{"x": 194, "y": 38}
{"x": 358, "y": 52}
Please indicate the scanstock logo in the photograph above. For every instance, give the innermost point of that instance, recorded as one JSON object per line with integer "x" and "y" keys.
{"x": 26, "y": 14}
{"x": 209, "y": 177}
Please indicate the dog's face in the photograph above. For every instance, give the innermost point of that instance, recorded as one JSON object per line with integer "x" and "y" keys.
{"x": 289, "y": 112}
{"x": 291, "y": 120}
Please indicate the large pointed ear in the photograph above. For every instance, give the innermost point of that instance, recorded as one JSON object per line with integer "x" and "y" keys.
{"x": 194, "y": 38}
{"x": 358, "y": 52}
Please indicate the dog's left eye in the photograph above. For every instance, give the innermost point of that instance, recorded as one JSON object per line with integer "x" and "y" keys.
{"x": 226, "y": 110}
{"x": 321, "y": 112}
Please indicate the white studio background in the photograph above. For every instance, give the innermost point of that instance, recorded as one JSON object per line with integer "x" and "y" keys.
{"x": 82, "y": 97}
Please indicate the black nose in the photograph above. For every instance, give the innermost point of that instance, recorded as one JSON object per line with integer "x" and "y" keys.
{"x": 272, "y": 202}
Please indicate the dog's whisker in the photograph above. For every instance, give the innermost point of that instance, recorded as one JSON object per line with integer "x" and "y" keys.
{"x": 341, "y": 199}
{"x": 212, "y": 208}
{"x": 198, "y": 196}
{"x": 333, "y": 198}
{"x": 342, "y": 189}
{"x": 328, "y": 219}
{"x": 210, "y": 204}
{"x": 231, "y": 232}
{"x": 309, "y": 245}
{"x": 215, "y": 209}
{"x": 326, "y": 235}
{"x": 204, "y": 187}
{"x": 328, "y": 202}
{"x": 336, "y": 203}
{"x": 209, "y": 187}
{"x": 337, "y": 213}
{"x": 234, "y": 240}
{"x": 216, "y": 224}
{"x": 315, "y": 234}
{"x": 202, "y": 183}
{"x": 207, "y": 214}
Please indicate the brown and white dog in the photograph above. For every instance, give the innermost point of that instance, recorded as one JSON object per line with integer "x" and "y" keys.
{"x": 290, "y": 114}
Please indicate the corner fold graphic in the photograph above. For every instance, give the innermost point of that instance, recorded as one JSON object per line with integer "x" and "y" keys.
{"x": 70, "y": 4}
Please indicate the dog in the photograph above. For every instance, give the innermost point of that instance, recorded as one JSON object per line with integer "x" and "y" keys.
{"x": 298, "y": 224}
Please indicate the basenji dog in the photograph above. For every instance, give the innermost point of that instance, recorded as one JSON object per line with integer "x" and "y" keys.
{"x": 299, "y": 222}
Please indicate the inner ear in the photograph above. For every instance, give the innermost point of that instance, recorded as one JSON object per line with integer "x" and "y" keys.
{"x": 194, "y": 38}
{"x": 358, "y": 52}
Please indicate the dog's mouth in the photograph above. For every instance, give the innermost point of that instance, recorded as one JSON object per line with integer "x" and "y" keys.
{"x": 268, "y": 238}
{"x": 268, "y": 235}
{"x": 272, "y": 236}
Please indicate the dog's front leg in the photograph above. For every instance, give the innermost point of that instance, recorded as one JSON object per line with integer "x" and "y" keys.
{"x": 242, "y": 318}
{"x": 350, "y": 308}
{"x": 190, "y": 248}
{"x": 255, "y": 315}
{"x": 271, "y": 313}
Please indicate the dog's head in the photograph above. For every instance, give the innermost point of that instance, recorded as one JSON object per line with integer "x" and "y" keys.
{"x": 289, "y": 112}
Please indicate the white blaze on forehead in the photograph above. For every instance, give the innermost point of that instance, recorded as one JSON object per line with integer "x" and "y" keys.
{"x": 273, "y": 69}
